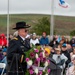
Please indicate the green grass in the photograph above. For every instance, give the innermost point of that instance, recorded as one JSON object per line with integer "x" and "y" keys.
{"x": 3, "y": 20}
{"x": 62, "y": 26}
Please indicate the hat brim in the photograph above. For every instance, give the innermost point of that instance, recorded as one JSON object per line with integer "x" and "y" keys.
{"x": 22, "y": 27}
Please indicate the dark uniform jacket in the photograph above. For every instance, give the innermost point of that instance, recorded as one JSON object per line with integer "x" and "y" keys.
{"x": 16, "y": 55}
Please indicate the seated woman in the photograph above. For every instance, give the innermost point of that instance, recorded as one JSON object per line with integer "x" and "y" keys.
{"x": 71, "y": 70}
{"x": 34, "y": 39}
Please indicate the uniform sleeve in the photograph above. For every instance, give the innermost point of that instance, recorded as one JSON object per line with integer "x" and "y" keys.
{"x": 11, "y": 49}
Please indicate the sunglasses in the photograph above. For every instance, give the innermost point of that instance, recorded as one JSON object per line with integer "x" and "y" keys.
{"x": 26, "y": 30}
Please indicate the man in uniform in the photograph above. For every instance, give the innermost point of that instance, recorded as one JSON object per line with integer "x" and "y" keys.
{"x": 16, "y": 51}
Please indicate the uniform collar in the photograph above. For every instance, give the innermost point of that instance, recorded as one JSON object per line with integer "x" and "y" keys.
{"x": 22, "y": 38}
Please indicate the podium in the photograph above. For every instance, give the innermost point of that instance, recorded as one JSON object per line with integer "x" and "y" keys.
{"x": 15, "y": 67}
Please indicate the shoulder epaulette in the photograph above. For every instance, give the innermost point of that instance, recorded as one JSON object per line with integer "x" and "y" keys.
{"x": 15, "y": 38}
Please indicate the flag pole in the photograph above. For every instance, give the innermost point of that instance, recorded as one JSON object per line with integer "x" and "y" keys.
{"x": 52, "y": 20}
{"x": 7, "y": 22}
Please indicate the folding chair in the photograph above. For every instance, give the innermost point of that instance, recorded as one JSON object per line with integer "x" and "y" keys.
{"x": 3, "y": 66}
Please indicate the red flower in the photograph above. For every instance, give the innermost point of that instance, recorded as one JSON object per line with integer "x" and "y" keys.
{"x": 32, "y": 55}
{"x": 36, "y": 63}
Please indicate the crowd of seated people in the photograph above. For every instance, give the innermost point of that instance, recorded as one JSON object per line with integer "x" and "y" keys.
{"x": 62, "y": 50}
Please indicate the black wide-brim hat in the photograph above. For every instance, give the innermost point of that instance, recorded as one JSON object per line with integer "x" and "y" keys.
{"x": 20, "y": 25}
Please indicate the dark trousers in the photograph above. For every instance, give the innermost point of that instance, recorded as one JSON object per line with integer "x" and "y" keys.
{"x": 15, "y": 67}
{"x": 17, "y": 71}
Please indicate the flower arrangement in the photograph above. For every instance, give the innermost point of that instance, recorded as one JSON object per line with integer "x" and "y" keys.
{"x": 37, "y": 62}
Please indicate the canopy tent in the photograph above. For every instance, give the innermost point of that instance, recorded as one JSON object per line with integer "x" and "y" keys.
{"x": 38, "y": 7}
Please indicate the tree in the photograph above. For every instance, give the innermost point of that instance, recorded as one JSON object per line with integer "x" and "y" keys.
{"x": 43, "y": 25}
{"x": 72, "y": 33}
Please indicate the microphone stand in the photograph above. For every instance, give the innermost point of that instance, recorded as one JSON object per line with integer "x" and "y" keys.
{"x": 17, "y": 64}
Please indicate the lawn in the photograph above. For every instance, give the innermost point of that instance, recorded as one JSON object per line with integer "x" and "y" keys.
{"x": 63, "y": 25}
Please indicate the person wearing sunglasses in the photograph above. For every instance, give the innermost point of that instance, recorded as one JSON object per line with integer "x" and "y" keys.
{"x": 16, "y": 51}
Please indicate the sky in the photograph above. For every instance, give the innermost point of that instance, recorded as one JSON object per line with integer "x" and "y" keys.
{"x": 37, "y": 7}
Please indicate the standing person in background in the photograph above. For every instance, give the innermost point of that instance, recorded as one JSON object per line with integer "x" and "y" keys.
{"x": 17, "y": 48}
{"x": 44, "y": 40}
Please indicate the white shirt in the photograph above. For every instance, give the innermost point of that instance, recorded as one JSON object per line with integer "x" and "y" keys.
{"x": 34, "y": 41}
